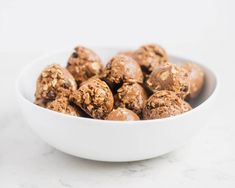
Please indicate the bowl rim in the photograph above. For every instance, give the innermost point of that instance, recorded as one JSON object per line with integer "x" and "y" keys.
{"x": 24, "y": 70}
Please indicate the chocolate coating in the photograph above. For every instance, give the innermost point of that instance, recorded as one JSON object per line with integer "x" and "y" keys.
{"x": 131, "y": 96}
{"x": 54, "y": 81}
{"x": 196, "y": 78}
{"x": 121, "y": 69}
{"x": 83, "y": 64}
{"x": 62, "y": 105}
{"x": 122, "y": 114}
{"x": 164, "y": 104}
{"x": 169, "y": 77}
{"x": 94, "y": 97}
{"x": 150, "y": 56}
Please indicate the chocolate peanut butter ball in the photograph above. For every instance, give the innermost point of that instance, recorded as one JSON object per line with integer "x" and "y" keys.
{"x": 83, "y": 64}
{"x": 127, "y": 53}
{"x": 122, "y": 114}
{"x": 196, "y": 78}
{"x": 121, "y": 69}
{"x": 169, "y": 77}
{"x": 150, "y": 56}
{"x": 131, "y": 96}
{"x": 54, "y": 81}
{"x": 94, "y": 97}
{"x": 164, "y": 104}
{"x": 62, "y": 105}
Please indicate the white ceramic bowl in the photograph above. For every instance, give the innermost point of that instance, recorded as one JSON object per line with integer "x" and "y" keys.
{"x": 111, "y": 140}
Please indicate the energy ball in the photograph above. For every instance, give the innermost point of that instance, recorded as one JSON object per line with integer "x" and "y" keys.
{"x": 121, "y": 69}
{"x": 62, "y": 105}
{"x": 94, "y": 97}
{"x": 131, "y": 96}
{"x": 196, "y": 78}
{"x": 169, "y": 77}
{"x": 127, "y": 53}
{"x": 54, "y": 81}
{"x": 150, "y": 56}
{"x": 122, "y": 114}
{"x": 164, "y": 104}
{"x": 83, "y": 64}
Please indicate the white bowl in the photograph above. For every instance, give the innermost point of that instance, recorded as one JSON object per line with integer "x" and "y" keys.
{"x": 114, "y": 141}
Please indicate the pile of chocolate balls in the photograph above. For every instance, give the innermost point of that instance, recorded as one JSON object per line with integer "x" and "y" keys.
{"x": 134, "y": 85}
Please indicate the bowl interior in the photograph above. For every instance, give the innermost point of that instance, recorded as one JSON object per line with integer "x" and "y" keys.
{"x": 27, "y": 80}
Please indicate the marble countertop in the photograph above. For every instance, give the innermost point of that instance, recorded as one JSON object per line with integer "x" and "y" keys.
{"x": 27, "y": 162}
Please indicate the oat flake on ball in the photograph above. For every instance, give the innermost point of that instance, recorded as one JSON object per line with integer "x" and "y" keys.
{"x": 94, "y": 97}
{"x": 164, "y": 104}
{"x": 84, "y": 64}
{"x": 53, "y": 81}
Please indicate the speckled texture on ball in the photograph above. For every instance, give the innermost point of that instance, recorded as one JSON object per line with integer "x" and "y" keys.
{"x": 164, "y": 104}
{"x": 62, "y": 105}
{"x": 131, "y": 96}
{"x": 121, "y": 69}
{"x": 53, "y": 81}
{"x": 150, "y": 56}
{"x": 169, "y": 77}
{"x": 94, "y": 97}
{"x": 83, "y": 64}
{"x": 122, "y": 114}
{"x": 196, "y": 78}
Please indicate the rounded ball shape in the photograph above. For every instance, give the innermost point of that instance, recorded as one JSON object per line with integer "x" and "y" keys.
{"x": 127, "y": 53}
{"x": 131, "y": 96}
{"x": 122, "y": 114}
{"x": 150, "y": 56}
{"x": 94, "y": 97}
{"x": 83, "y": 64}
{"x": 196, "y": 78}
{"x": 62, "y": 105}
{"x": 164, "y": 104}
{"x": 121, "y": 69}
{"x": 54, "y": 81}
{"x": 169, "y": 77}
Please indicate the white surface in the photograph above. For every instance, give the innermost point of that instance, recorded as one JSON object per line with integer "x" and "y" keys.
{"x": 111, "y": 140}
{"x": 203, "y": 30}
{"x": 47, "y": 25}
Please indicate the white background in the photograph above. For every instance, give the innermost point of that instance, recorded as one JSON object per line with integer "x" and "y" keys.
{"x": 202, "y": 30}
{"x": 44, "y": 25}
